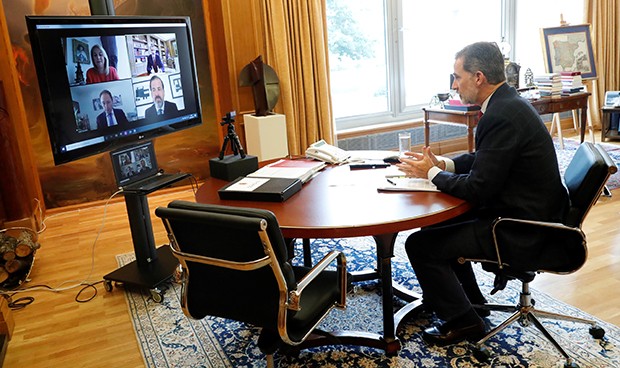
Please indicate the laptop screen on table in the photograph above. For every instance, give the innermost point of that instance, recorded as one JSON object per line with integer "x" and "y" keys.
{"x": 134, "y": 163}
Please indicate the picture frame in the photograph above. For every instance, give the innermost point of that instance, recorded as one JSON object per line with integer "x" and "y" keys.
{"x": 175, "y": 85}
{"x": 569, "y": 49}
{"x": 81, "y": 52}
{"x": 142, "y": 93}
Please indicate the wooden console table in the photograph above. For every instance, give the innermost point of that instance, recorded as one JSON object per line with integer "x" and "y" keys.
{"x": 543, "y": 106}
{"x": 451, "y": 117}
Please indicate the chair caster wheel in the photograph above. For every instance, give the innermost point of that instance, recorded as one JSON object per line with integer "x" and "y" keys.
{"x": 107, "y": 285}
{"x": 597, "y": 332}
{"x": 157, "y": 295}
{"x": 482, "y": 353}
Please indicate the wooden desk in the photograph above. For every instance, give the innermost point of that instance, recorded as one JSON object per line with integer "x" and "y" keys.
{"x": 577, "y": 101}
{"x": 543, "y": 106}
{"x": 340, "y": 203}
{"x": 451, "y": 117}
{"x": 605, "y": 122}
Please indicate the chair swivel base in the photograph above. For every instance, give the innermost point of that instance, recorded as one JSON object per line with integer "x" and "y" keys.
{"x": 525, "y": 313}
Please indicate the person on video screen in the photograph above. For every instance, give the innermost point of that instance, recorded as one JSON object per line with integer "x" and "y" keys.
{"x": 101, "y": 70}
{"x": 161, "y": 108}
{"x": 110, "y": 117}
{"x": 154, "y": 62}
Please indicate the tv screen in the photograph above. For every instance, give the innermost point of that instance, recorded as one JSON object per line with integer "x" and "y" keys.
{"x": 107, "y": 81}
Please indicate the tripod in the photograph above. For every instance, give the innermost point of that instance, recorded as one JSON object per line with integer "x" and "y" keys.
{"x": 231, "y": 137}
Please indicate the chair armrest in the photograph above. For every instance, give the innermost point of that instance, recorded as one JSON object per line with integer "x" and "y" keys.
{"x": 528, "y": 224}
{"x": 295, "y": 295}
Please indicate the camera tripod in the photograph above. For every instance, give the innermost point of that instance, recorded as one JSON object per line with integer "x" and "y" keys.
{"x": 231, "y": 137}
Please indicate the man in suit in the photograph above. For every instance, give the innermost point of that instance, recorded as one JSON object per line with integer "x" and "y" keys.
{"x": 110, "y": 118}
{"x": 512, "y": 173}
{"x": 161, "y": 108}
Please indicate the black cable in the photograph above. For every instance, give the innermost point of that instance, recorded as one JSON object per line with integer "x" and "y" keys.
{"x": 77, "y": 297}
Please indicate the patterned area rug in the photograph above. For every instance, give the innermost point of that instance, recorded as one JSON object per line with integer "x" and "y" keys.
{"x": 169, "y": 339}
{"x": 570, "y": 147}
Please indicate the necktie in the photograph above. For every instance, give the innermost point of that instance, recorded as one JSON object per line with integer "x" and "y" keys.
{"x": 480, "y": 114}
{"x": 160, "y": 112}
{"x": 111, "y": 120}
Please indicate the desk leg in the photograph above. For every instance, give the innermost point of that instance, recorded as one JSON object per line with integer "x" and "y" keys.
{"x": 583, "y": 122}
{"x": 427, "y": 133}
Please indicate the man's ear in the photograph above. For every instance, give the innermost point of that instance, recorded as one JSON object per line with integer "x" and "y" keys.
{"x": 480, "y": 78}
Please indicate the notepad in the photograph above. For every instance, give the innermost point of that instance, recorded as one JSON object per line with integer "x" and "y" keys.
{"x": 408, "y": 185}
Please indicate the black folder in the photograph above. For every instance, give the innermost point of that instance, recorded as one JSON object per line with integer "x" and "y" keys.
{"x": 272, "y": 190}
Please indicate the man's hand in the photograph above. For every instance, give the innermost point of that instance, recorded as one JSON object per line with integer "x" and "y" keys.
{"x": 416, "y": 165}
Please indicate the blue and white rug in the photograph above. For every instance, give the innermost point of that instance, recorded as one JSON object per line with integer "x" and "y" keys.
{"x": 570, "y": 147}
{"x": 169, "y": 339}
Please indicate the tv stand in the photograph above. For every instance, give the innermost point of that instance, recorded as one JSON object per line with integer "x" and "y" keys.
{"x": 152, "y": 265}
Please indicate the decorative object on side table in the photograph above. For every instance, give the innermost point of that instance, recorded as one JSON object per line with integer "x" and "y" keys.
{"x": 265, "y": 85}
{"x": 512, "y": 74}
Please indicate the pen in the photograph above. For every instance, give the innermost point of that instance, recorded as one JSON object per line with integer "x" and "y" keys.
{"x": 390, "y": 181}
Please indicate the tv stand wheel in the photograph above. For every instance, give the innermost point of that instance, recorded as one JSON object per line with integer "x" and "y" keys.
{"x": 157, "y": 295}
{"x": 107, "y": 285}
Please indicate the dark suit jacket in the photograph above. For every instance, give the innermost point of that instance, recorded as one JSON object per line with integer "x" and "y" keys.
{"x": 121, "y": 119}
{"x": 513, "y": 172}
{"x": 170, "y": 110}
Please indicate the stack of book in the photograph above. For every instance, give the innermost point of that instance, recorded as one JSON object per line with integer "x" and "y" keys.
{"x": 571, "y": 83}
{"x": 549, "y": 85}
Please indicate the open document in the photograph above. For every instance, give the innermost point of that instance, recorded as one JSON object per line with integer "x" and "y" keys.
{"x": 402, "y": 184}
{"x": 302, "y": 169}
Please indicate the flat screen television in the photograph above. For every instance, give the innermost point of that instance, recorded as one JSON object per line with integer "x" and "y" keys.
{"x": 108, "y": 81}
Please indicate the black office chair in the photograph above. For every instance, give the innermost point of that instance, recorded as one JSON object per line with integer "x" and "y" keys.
{"x": 562, "y": 251}
{"x": 234, "y": 265}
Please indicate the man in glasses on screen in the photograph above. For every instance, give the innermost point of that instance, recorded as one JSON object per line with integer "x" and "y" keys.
{"x": 161, "y": 108}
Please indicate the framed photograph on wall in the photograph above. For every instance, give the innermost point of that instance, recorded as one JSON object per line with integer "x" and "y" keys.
{"x": 175, "y": 85}
{"x": 142, "y": 93}
{"x": 80, "y": 52}
{"x": 569, "y": 49}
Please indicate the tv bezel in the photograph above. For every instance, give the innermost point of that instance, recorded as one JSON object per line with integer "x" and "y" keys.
{"x": 128, "y": 25}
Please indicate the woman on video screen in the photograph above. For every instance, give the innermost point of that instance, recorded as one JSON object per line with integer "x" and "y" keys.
{"x": 101, "y": 70}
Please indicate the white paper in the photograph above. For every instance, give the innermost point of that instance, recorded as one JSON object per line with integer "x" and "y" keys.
{"x": 247, "y": 184}
{"x": 408, "y": 185}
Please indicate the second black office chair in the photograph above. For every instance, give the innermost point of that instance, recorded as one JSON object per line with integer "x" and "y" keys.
{"x": 234, "y": 264}
{"x": 563, "y": 250}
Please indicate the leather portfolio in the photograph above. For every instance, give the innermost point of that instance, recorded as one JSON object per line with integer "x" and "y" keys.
{"x": 260, "y": 189}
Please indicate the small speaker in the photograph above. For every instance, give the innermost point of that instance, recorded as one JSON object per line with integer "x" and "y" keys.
{"x": 232, "y": 166}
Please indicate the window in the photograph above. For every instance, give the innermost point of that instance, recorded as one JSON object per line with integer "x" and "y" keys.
{"x": 388, "y": 58}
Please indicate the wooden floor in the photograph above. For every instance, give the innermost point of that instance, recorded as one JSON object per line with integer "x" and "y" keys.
{"x": 57, "y": 331}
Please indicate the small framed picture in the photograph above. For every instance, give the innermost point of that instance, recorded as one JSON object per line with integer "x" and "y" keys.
{"x": 80, "y": 52}
{"x": 175, "y": 85}
{"x": 569, "y": 49}
{"x": 142, "y": 93}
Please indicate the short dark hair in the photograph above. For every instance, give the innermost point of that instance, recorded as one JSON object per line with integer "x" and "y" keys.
{"x": 485, "y": 57}
{"x": 105, "y": 91}
{"x": 160, "y": 81}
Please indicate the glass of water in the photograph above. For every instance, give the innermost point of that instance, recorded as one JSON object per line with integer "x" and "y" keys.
{"x": 404, "y": 142}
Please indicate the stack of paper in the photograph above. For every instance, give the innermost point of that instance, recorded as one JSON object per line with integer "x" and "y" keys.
{"x": 302, "y": 169}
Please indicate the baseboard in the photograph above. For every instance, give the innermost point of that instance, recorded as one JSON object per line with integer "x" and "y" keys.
{"x": 29, "y": 222}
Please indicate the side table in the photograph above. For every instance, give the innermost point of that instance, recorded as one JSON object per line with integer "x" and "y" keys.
{"x": 451, "y": 117}
{"x": 606, "y": 122}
